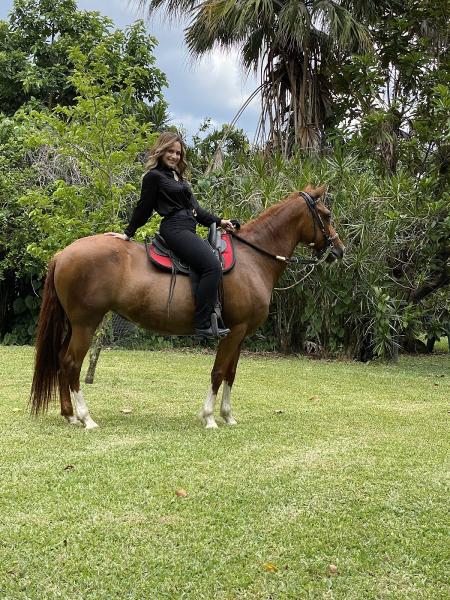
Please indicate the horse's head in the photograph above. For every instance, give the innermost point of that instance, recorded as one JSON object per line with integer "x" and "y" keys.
{"x": 318, "y": 230}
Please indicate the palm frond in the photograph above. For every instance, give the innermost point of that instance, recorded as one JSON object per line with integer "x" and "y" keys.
{"x": 341, "y": 26}
{"x": 261, "y": 12}
{"x": 173, "y": 9}
{"x": 368, "y": 10}
{"x": 253, "y": 49}
{"x": 215, "y": 23}
{"x": 293, "y": 25}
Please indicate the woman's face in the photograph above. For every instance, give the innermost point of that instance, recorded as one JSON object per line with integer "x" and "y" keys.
{"x": 172, "y": 155}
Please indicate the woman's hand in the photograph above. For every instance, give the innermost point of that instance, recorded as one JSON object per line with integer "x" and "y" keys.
{"x": 121, "y": 236}
{"x": 227, "y": 224}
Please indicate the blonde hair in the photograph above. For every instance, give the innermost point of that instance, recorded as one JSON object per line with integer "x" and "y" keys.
{"x": 165, "y": 140}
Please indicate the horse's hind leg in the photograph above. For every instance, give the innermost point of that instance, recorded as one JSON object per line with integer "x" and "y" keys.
{"x": 77, "y": 350}
{"x": 64, "y": 390}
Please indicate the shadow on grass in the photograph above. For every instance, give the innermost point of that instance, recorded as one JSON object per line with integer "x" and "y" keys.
{"x": 112, "y": 423}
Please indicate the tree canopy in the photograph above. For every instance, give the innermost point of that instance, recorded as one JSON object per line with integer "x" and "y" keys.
{"x": 36, "y": 61}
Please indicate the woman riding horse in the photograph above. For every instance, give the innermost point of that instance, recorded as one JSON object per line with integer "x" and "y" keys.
{"x": 166, "y": 191}
{"x": 100, "y": 273}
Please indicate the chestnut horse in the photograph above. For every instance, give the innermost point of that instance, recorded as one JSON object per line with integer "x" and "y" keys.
{"x": 101, "y": 273}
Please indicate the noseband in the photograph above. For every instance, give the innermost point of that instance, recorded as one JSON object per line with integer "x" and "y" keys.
{"x": 311, "y": 203}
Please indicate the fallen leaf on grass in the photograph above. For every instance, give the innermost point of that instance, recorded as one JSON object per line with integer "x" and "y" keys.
{"x": 16, "y": 409}
{"x": 332, "y": 569}
{"x": 126, "y": 411}
{"x": 314, "y": 398}
{"x": 279, "y": 412}
{"x": 69, "y": 467}
{"x": 181, "y": 493}
{"x": 270, "y": 567}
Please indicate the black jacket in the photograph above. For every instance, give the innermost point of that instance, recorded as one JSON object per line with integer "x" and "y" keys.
{"x": 163, "y": 193}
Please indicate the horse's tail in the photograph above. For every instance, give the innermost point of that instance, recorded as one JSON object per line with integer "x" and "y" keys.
{"x": 52, "y": 325}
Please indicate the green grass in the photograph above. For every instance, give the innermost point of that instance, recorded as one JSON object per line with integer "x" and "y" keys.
{"x": 355, "y": 477}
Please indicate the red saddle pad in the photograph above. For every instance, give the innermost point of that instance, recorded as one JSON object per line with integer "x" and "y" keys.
{"x": 165, "y": 262}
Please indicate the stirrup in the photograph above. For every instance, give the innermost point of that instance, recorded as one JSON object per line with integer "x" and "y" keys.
{"x": 219, "y": 330}
{"x": 210, "y": 334}
{"x": 213, "y": 331}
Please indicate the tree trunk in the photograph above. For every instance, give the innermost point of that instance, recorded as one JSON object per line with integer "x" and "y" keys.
{"x": 93, "y": 358}
{"x": 100, "y": 338}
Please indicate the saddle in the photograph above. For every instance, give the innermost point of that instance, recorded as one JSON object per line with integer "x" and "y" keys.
{"x": 218, "y": 242}
{"x": 162, "y": 257}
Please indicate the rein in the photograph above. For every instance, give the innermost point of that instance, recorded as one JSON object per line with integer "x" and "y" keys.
{"x": 292, "y": 260}
{"x": 313, "y": 262}
{"x": 311, "y": 204}
{"x": 296, "y": 283}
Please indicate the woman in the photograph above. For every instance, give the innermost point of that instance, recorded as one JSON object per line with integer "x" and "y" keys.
{"x": 165, "y": 191}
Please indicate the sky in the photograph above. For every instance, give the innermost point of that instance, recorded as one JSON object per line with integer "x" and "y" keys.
{"x": 213, "y": 87}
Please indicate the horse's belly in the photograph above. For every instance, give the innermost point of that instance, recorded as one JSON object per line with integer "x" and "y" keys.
{"x": 146, "y": 303}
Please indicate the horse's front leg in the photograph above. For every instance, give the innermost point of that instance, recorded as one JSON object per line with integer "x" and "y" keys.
{"x": 225, "y": 407}
{"x": 225, "y": 362}
{"x": 207, "y": 412}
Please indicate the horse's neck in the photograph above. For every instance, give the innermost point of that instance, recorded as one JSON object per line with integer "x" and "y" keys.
{"x": 277, "y": 229}
{"x": 276, "y": 232}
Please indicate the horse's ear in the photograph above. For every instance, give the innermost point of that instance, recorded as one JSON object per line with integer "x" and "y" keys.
{"x": 316, "y": 192}
{"x": 320, "y": 191}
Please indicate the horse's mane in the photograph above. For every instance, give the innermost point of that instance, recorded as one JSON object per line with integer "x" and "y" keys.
{"x": 266, "y": 217}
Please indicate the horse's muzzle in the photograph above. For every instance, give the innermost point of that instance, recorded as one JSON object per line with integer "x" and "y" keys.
{"x": 335, "y": 253}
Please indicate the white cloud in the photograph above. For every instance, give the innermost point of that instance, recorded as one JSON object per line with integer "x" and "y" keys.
{"x": 222, "y": 75}
{"x": 189, "y": 123}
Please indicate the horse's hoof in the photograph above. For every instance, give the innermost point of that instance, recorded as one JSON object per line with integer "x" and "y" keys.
{"x": 91, "y": 425}
{"x": 73, "y": 420}
{"x": 230, "y": 420}
{"x": 211, "y": 423}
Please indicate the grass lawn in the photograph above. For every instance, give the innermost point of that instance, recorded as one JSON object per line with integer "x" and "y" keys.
{"x": 334, "y": 484}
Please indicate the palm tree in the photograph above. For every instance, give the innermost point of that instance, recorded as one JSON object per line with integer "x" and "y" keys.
{"x": 291, "y": 44}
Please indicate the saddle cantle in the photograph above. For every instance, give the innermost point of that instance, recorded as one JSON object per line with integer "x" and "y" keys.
{"x": 218, "y": 242}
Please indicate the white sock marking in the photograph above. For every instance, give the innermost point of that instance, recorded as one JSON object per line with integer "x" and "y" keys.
{"x": 225, "y": 407}
{"x": 208, "y": 409}
{"x": 82, "y": 410}
{"x": 73, "y": 420}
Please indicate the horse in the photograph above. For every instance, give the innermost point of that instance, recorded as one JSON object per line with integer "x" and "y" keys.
{"x": 96, "y": 274}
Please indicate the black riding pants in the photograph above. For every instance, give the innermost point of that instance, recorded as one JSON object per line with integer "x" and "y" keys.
{"x": 179, "y": 233}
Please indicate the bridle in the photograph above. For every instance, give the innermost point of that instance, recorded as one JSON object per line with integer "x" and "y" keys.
{"x": 311, "y": 203}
